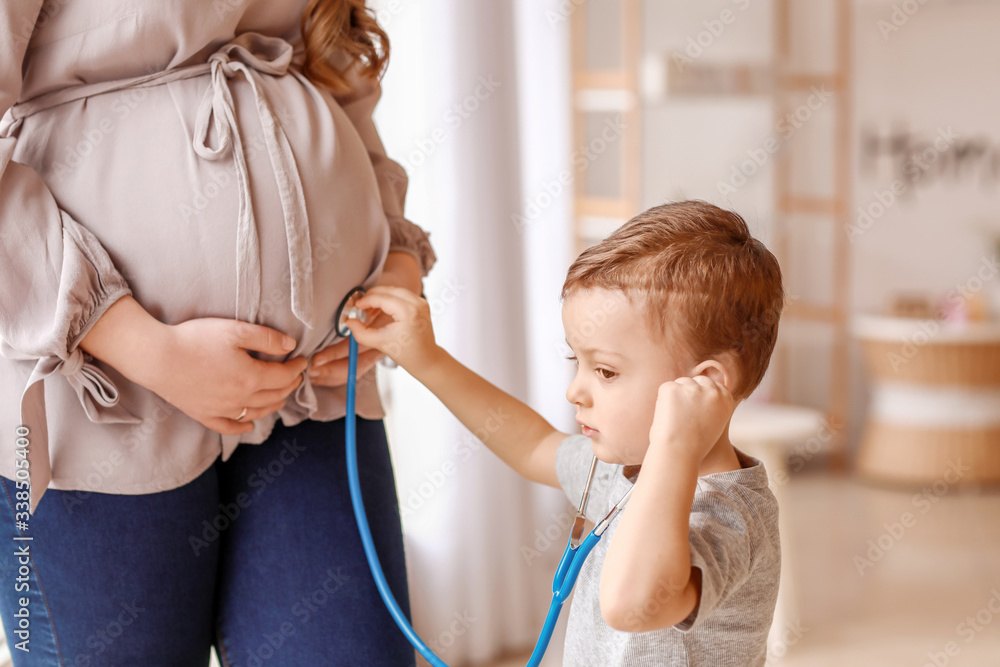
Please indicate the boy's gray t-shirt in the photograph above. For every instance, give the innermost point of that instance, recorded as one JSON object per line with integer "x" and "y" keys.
{"x": 734, "y": 541}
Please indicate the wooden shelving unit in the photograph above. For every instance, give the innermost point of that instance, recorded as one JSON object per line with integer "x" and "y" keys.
{"x": 597, "y": 216}
{"x": 608, "y": 89}
{"x": 789, "y": 86}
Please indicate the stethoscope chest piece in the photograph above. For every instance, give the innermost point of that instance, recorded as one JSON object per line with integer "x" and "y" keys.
{"x": 347, "y": 310}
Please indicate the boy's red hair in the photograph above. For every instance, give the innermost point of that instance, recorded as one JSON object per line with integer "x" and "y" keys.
{"x": 699, "y": 275}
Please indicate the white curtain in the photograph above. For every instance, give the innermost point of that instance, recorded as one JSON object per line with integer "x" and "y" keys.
{"x": 476, "y": 107}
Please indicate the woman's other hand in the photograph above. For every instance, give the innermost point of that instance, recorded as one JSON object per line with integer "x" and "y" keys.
{"x": 202, "y": 366}
{"x": 329, "y": 365}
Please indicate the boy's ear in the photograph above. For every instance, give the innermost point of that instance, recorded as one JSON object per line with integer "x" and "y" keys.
{"x": 714, "y": 370}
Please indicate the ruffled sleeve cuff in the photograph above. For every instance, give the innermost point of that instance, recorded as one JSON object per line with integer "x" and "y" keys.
{"x": 96, "y": 393}
{"x": 90, "y": 285}
{"x": 404, "y": 236}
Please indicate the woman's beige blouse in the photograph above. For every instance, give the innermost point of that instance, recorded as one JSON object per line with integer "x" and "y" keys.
{"x": 173, "y": 151}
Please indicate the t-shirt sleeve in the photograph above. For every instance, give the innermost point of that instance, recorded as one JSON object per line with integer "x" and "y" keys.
{"x": 720, "y": 539}
{"x": 573, "y": 460}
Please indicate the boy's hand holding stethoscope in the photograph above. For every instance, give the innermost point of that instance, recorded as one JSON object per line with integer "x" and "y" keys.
{"x": 328, "y": 367}
{"x": 403, "y": 331}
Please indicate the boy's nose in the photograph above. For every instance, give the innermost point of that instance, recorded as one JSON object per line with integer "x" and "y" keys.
{"x": 575, "y": 393}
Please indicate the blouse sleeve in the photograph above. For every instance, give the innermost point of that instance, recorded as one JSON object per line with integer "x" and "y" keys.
{"x": 57, "y": 280}
{"x": 392, "y": 180}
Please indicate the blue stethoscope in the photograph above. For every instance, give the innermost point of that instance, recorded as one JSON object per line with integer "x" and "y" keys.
{"x": 569, "y": 566}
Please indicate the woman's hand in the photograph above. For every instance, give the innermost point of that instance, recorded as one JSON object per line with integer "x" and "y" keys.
{"x": 408, "y": 337}
{"x": 200, "y": 366}
{"x": 329, "y": 365}
{"x": 209, "y": 375}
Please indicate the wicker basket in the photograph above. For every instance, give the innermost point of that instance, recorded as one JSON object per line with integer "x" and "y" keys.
{"x": 954, "y": 364}
{"x": 903, "y": 455}
{"x": 923, "y": 358}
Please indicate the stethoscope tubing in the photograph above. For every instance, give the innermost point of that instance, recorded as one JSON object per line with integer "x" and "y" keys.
{"x": 354, "y": 483}
{"x": 562, "y": 584}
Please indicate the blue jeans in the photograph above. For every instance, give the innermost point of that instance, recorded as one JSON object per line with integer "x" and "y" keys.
{"x": 259, "y": 556}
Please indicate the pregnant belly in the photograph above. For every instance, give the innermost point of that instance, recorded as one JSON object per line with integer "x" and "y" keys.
{"x": 122, "y": 164}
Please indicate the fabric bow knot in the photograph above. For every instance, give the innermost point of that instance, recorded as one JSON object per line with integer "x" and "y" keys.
{"x": 252, "y": 55}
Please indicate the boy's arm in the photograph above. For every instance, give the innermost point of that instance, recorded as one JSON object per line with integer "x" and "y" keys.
{"x": 647, "y": 582}
{"x": 512, "y": 430}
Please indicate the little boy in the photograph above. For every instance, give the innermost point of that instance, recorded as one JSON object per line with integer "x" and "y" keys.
{"x": 671, "y": 320}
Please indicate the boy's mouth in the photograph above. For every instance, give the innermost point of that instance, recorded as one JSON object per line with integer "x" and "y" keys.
{"x": 587, "y": 431}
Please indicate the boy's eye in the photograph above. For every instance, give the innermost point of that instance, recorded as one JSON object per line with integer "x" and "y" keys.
{"x": 604, "y": 372}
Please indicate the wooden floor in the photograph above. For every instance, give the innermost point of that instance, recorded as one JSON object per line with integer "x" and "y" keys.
{"x": 895, "y": 578}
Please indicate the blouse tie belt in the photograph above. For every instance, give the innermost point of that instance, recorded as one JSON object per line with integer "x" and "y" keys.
{"x": 254, "y": 55}
{"x": 217, "y": 109}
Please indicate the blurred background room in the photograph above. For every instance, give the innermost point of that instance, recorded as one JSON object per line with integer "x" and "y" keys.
{"x": 860, "y": 139}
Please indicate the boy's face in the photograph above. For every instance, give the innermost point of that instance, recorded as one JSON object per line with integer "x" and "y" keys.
{"x": 620, "y": 367}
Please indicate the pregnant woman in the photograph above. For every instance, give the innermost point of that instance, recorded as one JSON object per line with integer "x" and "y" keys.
{"x": 188, "y": 189}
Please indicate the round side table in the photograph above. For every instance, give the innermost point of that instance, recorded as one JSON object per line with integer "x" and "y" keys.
{"x": 771, "y": 432}
{"x": 934, "y": 415}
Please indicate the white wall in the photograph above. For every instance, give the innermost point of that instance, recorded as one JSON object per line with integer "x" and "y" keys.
{"x": 939, "y": 70}
{"x": 933, "y": 69}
